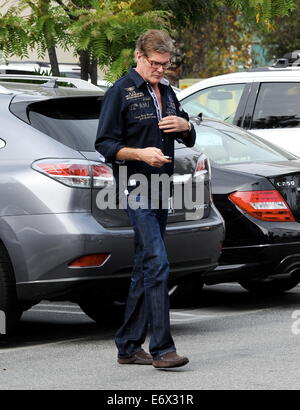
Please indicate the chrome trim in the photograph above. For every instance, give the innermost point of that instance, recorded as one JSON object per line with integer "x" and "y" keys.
{"x": 60, "y": 280}
{"x": 230, "y": 267}
{"x": 261, "y": 246}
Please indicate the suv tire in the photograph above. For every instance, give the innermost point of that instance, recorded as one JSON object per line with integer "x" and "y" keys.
{"x": 187, "y": 293}
{"x": 8, "y": 295}
{"x": 103, "y": 311}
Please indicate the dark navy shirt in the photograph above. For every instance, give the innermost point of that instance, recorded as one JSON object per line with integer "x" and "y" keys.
{"x": 128, "y": 118}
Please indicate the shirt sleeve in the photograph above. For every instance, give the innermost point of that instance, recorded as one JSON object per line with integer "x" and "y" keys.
{"x": 187, "y": 138}
{"x": 110, "y": 129}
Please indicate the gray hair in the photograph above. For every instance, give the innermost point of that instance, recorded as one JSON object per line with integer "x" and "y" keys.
{"x": 155, "y": 40}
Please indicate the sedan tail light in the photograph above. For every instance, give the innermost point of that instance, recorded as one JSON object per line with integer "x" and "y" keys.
{"x": 75, "y": 173}
{"x": 263, "y": 205}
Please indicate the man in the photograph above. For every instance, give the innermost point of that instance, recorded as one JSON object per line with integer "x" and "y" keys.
{"x": 139, "y": 121}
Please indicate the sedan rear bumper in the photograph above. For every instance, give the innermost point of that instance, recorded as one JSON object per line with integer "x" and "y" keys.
{"x": 256, "y": 262}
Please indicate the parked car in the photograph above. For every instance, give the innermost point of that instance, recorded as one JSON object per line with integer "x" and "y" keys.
{"x": 39, "y": 67}
{"x": 55, "y": 242}
{"x": 263, "y": 100}
{"x": 33, "y": 67}
{"x": 255, "y": 186}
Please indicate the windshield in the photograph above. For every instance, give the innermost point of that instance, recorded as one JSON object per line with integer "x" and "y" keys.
{"x": 219, "y": 102}
{"x": 194, "y": 108}
{"x": 229, "y": 145}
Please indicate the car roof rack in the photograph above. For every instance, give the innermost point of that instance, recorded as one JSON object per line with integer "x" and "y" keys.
{"x": 273, "y": 69}
{"x": 37, "y": 62}
{"x": 289, "y": 62}
{"x": 51, "y": 81}
{"x": 31, "y": 62}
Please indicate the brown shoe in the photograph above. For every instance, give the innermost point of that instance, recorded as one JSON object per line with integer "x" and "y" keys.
{"x": 170, "y": 360}
{"x": 140, "y": 357}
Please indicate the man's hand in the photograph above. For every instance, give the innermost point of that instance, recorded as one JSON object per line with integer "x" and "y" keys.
{"x": 153, "y": 156}
{"x": 173, "y": 124}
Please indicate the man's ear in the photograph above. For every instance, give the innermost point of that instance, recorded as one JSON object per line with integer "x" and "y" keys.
{"x": 138, "y": 56}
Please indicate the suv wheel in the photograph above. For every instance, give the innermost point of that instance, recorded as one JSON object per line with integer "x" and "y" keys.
{"x": 103, "y": 311}
{"x": 187, "y": 293}
{"x": 10, "y": 313}
{"x": 274, "y": 286}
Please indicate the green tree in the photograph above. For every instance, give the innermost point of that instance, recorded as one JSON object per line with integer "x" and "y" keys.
{"x": 46, "y": 27}
{"x": 13, "y": 34}
{"x": 109, "y": 29}
{"x": 219, "y": 45}
{"x": 285, "y": 37}
{"x": 97, "y": 29}
{"x": 264, "y": 11}
{"x": 215, "y": 36}
{"x": 104, "y": 31}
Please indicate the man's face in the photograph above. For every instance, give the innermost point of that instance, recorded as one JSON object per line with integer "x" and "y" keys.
{"x": 152, "y": 66}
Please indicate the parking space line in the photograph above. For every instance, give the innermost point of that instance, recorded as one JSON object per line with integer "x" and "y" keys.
{"x": 212, "y": 315}
{"x": 182, "y": 313}
{"x": 34, "y": 346}
{"x": 57, "y": 311}
{"x": 42, "y": 305}
{"x": 182, "y": 317}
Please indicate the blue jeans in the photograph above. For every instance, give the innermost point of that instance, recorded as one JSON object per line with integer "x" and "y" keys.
{"x": 148, "y": 299}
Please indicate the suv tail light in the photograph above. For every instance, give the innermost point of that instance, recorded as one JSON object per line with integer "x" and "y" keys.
{"x": 75, "y": 173}
{"x": 202, "y": 173}
{"x": 102, "y": 175}
{"x": 202, "y": 167}
{"x": 263, "y": 205}
{"x": 90, "y": 261}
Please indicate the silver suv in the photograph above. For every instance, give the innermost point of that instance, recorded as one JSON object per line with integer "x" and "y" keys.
{"x": 55, "y": 242}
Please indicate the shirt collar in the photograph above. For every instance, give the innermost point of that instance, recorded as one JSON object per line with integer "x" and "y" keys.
{"x": 138, "y": 79}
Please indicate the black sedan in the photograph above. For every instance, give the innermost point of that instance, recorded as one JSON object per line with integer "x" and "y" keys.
{"x": 256, "y": 187}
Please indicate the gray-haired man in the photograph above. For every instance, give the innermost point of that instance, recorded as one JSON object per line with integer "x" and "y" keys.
{"x": 139, "y": 121}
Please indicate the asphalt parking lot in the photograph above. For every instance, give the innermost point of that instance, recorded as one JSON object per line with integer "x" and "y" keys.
{"x": 233, "y": 339}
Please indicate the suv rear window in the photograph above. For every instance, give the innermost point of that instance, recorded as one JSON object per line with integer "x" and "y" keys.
{"x": 277, "y": 106}
{"x": 71, "y": 121}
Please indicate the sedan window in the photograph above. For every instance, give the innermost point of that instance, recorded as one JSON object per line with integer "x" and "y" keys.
{"x": 230, "y": 145}
{"x": 278, "y": 106}
{"x": 220, "y": 102}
